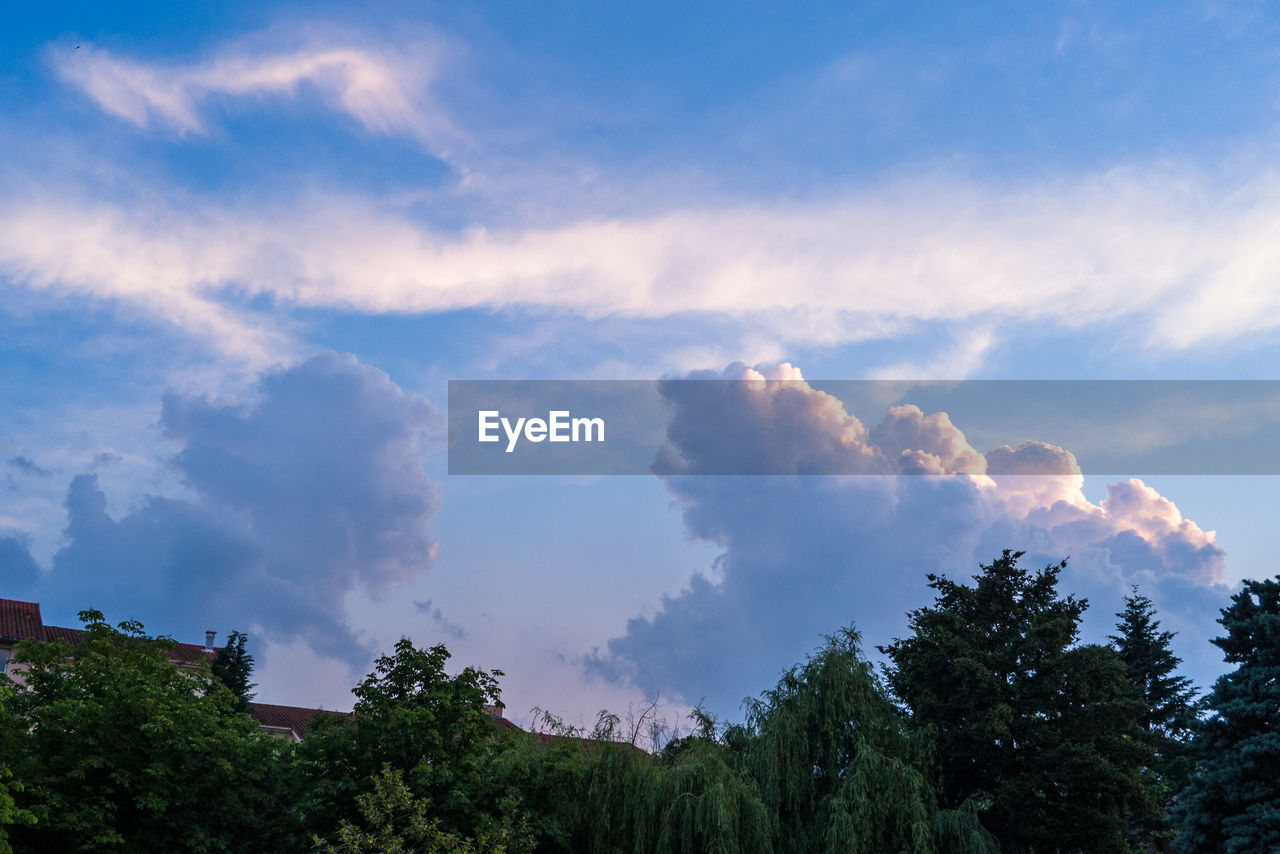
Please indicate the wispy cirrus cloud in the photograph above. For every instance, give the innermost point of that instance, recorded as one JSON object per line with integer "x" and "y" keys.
{"x": 385, "y": 91}
{"x": 1168, "y": 262}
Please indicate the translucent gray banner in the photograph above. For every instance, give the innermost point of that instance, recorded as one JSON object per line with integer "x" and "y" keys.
{"x": 864, "y": 427}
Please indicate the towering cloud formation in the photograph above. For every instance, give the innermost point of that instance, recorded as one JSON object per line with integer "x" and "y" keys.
{"x": 297, "y": 498}
{"x": 804, "y": 555}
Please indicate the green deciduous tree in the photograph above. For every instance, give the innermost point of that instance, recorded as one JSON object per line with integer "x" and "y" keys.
{"x": 1038, "y": 732}
{"x": 121, "y": 750}
{"x": 838, "y": 767}
{"x": 1233, "y": 802}
{"x": 393, "y": 821}
{"x": 596, "y": 793}
{"x": 412, "y": 717}
{"x": 10, "y": 813}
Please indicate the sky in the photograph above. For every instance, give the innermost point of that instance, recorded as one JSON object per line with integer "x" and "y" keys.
{"x": 244, "y": 247}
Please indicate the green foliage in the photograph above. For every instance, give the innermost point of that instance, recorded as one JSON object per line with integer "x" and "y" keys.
{"x": 1169, "y": 709}
{"x": 1086, "y": 763}
{"x": 1039, "y": 732}
{"x": 1233, "y": 802}
{"x": 596, "y": 792}
{"x": 695, "y": 802}
{"x": 395, "y": 822}
{"x": 1015, "y": 728}
{"x": 837, "y": 767}
{"x": 412, "y": 717}
{"x": 233, "y": 666}
{"x": 121, "y": 750}
{"x": 10, "y": 813}
{"x": 631, "y": 801}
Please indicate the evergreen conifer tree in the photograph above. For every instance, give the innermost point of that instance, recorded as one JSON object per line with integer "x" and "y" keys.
{"x": 1033, "y": 729}
{"x": 233, "y": 666}
{"x": 1233, "y": 802}
{"x": 1168, "y": 714}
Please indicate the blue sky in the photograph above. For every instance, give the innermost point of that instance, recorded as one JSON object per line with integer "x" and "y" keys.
{"x": 243, "y": 247}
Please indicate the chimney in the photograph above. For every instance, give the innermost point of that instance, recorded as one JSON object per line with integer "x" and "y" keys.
{"x": 208, "y": 641}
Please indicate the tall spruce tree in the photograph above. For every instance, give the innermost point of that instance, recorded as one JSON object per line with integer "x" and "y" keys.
{"x": 1233, "y": 802}
{"x": 1168, "y": 714}
{"x": 1036, "y": 731}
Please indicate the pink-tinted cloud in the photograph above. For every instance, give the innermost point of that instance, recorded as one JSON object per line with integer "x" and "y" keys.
{"x": 803, "y": 555}
{"x": 384, "y": 90}
{"x": 1178, "y": 262}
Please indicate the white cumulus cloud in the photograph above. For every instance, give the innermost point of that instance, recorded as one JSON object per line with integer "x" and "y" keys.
{"x": 804, "y": 555}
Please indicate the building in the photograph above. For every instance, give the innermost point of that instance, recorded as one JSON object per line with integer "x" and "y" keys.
{"x": 21, "y": 621}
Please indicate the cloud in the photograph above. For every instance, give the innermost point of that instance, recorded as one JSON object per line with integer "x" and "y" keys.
{"x": 24, "y": 465}
{"x": 300, "y": 496}
{"x": 963, "y": 359}
{"x": 450, "y": 628}
{"x": 17, "y": 567}
{"x": 1167, "y": 261}
{"x": 131, "y": 256}
{"x": 804, "y": 555}
{"x": 384, "y": 90}
{"x": 790, "y": 427}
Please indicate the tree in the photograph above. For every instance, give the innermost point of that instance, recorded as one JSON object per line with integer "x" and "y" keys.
{"x": 10, "y": 813}
{"x": 839, "y": 769}
{"x": 823, "y": 763}
{"x": 681, "y": 802}
{"x": 233, "y": 666}
{"x": 597, "y": 793}
{"x": 414, "y": 718}
{"x": 395, "y": 822}
{"x": 1169, "y": 707}
{"x": 1233, "y": 801}
{"x": 119, "y": 749}
{"x": 1032, "y": 729}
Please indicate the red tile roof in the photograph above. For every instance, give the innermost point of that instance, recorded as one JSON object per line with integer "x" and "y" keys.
{"x": 192, "y": 652}
{"x": 22, "y": 621}
{"x": 293, "y": 718}
{"x": 501, "y": 722}
{"x": 60, "y": 633}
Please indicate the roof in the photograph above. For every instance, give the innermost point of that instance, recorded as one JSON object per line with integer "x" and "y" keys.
{"x": 546, "y": 738}
{"x": 293, "y": 718}
{"x": 21, "y": 621}
{"x": 499, "y": 721}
